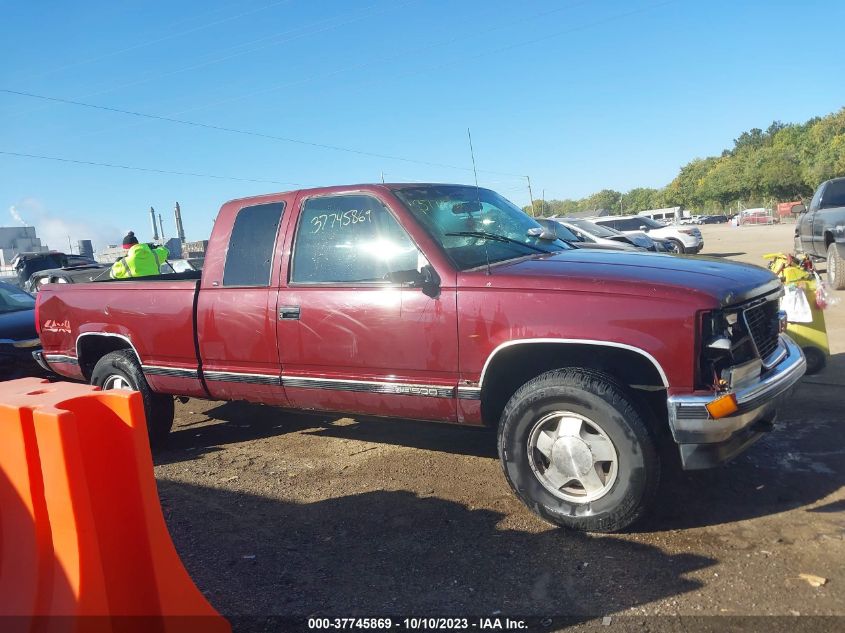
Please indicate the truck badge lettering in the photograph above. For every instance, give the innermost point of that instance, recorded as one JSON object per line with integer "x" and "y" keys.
{"x": 57, "y": 326}
{"x": 417, "y": 391}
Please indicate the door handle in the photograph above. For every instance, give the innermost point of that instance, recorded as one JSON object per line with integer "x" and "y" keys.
{"x": 288, "y": 313}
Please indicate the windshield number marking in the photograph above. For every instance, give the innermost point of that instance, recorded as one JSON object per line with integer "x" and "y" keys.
{"x": 340, "y": 219}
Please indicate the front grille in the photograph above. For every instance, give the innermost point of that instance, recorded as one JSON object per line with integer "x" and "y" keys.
{"x": 762, "y": 323}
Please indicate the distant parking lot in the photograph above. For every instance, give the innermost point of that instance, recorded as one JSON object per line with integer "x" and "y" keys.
{"x": 276, "y": 512}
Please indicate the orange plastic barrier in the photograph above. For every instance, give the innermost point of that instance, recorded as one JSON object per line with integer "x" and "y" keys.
{"x": 81, "y": 528}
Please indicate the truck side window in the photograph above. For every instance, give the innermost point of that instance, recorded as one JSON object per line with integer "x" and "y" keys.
{"x": 814, "y": 203}
{"x": 250, "y": 254}
{"x": 349, "y": 239}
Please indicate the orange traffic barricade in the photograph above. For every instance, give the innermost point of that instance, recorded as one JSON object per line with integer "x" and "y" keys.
{"x": 83, "y": 542}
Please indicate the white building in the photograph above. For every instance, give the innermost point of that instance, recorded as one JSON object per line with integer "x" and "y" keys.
{"x": 18, "y": 239}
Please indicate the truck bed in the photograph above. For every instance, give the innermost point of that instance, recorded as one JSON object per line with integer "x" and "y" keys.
{"x": 155, "y": 314}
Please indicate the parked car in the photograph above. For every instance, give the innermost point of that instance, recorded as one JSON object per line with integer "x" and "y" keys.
{"x": 713, "y": 219}
{"x": 448, "y": 303}
{"x": 581, "y": 240}
{"x": 605, "y": 235}
{"x": 25, "y": 264}
{"x": 820, "y": 230}
{"x": 67, "y": 275}
{"x": 18, "y": 336}
{"x": 682, "y": 239}
{"x": 758, "y": 216}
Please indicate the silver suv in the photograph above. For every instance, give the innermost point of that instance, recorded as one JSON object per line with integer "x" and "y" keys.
{"x": 683, "y": 239}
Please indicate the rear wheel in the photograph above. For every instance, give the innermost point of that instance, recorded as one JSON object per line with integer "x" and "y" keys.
{"x": 577, "y": 451}
{"x": 120, "y": 370}
{"x": 676, "y": 246}
{"x": 835, "y": 268}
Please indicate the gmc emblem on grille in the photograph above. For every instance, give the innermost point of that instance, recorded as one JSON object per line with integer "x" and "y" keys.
{"x": 781, "y": 321}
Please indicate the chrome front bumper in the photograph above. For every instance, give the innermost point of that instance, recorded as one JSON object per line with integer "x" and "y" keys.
{"x": 705, "y": 442}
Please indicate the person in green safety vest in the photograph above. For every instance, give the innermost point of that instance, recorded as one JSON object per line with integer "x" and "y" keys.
{"x": 141, "y": 260}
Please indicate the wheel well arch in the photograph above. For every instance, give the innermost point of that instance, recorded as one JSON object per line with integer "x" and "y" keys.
{"x": 513, "y": 364}
{"x": 92, "y": 346}
{"x": 828, "y": 239}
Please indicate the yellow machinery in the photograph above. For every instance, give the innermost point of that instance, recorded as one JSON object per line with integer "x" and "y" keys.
{"x": 812, "y": 336}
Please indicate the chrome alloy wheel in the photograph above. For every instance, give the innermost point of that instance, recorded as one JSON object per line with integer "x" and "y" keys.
{"x": 116, "y": 381}
{"x": 572, "y": 457}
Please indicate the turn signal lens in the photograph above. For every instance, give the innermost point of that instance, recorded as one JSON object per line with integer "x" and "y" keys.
{"x": 723, "y": 406}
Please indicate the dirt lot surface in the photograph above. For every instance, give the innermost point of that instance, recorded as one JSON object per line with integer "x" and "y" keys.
{"x": 284, "y": 513}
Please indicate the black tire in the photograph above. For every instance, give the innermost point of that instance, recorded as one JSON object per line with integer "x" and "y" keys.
{"x": 603, "y": 403}
{"x": 679, "y": 246}
{"x": 816, "y": 359}
{"x": 158, "y": 408}
{"x": 835, "y": 268}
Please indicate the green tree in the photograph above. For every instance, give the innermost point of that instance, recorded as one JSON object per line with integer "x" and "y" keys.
{"x": 604, "y": 199}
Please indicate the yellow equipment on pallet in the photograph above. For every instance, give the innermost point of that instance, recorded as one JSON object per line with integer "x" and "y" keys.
{"x": 797, "y": 271}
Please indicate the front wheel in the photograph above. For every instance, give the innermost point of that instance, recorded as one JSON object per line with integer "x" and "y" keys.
{"x": 577, "y": 451}
{"x": 120, "y": 370}
{"x": 835, "y": 268}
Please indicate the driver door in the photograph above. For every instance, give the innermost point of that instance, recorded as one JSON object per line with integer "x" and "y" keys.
{"x": 355, "y": 333}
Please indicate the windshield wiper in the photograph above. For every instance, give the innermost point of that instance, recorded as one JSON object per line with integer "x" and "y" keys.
{"x": 496, "y": 238}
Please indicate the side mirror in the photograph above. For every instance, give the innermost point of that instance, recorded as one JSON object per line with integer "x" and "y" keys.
{"x": 643, "y": 228}
{"x": 798, "y": 208}
{"x": 428, "y": 282}
{"x": 425, "y": 279}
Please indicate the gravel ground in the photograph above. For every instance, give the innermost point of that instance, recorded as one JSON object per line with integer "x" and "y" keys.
{"x": 285, "y": 513}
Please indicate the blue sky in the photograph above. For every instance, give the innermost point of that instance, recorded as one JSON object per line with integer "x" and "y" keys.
{"x": 580, "y": 95}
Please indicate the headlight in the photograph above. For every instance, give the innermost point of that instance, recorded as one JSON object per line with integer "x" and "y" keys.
{"x": 32, "y": 342}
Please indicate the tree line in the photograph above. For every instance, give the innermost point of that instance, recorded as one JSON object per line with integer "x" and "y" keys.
{"x": 785, "y": 162}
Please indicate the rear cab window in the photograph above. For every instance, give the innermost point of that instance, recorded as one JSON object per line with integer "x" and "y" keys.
{"x": 249, "y": 259}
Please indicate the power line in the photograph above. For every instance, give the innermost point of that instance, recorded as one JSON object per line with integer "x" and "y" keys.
{"x": 160, "y": 39}
{"x": 269, "y": 40}
{"x": 232, "y": 130}
{"x": 147, "y": 169}
{"x": 476, "y": 33}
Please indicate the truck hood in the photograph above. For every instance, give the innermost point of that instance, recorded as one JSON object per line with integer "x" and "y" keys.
{"x": 632, "y": 272}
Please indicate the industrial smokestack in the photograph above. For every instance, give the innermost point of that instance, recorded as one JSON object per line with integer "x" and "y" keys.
{"x": 180, "y": 231}
{"x": 155, "y": 226}
{"x": 161, "y": 223}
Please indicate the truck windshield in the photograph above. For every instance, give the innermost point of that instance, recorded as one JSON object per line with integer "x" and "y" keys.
{"x": 475, "y": 225}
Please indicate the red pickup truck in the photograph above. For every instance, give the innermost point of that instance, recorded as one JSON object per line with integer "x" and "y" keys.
{"x": 448, "y": 303}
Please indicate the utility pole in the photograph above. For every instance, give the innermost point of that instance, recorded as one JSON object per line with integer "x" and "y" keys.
{"x": 530, "y": 195}
{"x": 69, "y": 246}
{"x": 543, "y": 208}
{"x": 620, "y": 202}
